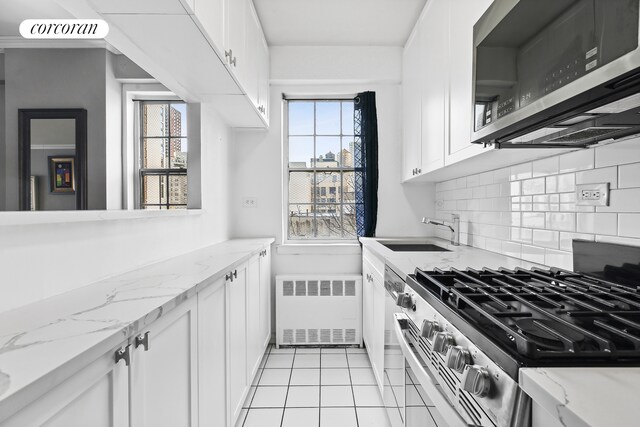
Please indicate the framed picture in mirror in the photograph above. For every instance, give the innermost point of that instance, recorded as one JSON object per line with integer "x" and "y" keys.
{"x": 62, "y": 177}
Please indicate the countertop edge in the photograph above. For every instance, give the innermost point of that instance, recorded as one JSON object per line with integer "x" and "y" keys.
{"x": 18, "y": 398}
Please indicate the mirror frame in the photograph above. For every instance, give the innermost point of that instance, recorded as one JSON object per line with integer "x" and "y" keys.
{"x": 24, "y": 140}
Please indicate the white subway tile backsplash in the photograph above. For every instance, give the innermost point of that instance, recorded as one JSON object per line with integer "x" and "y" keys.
{"x": 558, "y": 258}
{"x": 530, "y": 210}
{"x": 577, "y": 160}
{"x": 595, "y": 176}
{"x": 566, "y": 182}
{"x": 627, "y": 200}
{"x": 533, "y": 254}
{"x": 546, "y": 238}
{"x": 597, "y": 223}
{"x": 566, "y": 239}
{"x": 629, "y": 224}
{"x": 629, "y": 176}
{"x": 544, "y": 167}
{"x": 521, "y": 171}
{"x": 533, "y": 186}
{"x": 533, "y": 219}
{"x": 618, "y": 153}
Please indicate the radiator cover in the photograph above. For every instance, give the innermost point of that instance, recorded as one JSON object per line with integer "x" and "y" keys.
{"x": 318, "y": 310}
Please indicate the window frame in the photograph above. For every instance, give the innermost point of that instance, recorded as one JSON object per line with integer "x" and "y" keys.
{"x": 286, "y": 171}
{"x": 167, "y": 172}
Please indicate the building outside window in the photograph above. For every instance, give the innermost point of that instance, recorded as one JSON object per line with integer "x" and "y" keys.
{"x": 321, "y": 175}
{"x": 163, "y": 155}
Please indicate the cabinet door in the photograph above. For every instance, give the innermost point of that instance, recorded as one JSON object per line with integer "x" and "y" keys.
{"x": 263, "y": 77}
{"x": 265, "y": 298}
{"x": 254, "y": 339}
{"x": 433, "y": 69}
{"x": 411, "y": 106}
{"x": 461, "y": 69}
{"x": 97, "y": 395}
{"x": 378, "y": 312}
{"x": 212, "y": 352}
{"x": 237, "y": 341}
{"x": 248, "y": 74}
{"x": 210, "y": 13}
{"x": 164, "y": 377}
{"x": 235, "y": 32}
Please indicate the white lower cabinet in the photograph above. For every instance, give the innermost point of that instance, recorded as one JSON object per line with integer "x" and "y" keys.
{"x": 191, "y": 367}
{"x": 212, "y": 354}
{"x": 164, "y": 373}
{"x": 373, "y": 314}
{"x": 95, "y": 396}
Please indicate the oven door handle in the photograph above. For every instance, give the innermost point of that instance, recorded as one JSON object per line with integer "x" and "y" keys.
{"x": 439, "y": 399}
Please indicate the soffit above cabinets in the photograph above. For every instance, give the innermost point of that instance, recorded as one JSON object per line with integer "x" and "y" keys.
{"x": 338, "y": 22}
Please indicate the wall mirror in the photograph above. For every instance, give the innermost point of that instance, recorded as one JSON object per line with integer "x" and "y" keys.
{"x": 53, "y": 159}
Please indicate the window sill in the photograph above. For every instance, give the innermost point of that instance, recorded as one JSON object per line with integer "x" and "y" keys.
{"x": 315, "y": 248}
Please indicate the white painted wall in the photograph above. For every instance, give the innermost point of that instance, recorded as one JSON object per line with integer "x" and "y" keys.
{"x": 258, "y": 162}
{"x": 42, "y": 260}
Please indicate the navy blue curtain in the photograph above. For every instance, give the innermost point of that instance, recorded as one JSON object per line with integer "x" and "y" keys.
{"x": 366, "y": 163}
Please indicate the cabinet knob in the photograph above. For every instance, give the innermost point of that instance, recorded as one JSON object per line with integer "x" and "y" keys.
{"x": 235, "y": 273}
{"x": 228, "y": 54}
{"x": 143, "y": 340}
{"x": 233, "y": 61}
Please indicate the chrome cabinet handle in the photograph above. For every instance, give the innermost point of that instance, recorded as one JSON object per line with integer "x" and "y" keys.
{"x": 228, "y": 54}
{"x": 143, "y": 340}
{"x": 123, "y": 353}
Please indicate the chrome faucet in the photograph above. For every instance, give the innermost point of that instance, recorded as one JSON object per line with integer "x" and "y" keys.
{"x": 454, "y": 227}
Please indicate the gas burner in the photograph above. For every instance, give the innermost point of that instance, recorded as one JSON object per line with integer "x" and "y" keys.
{"x": 547, "y": 333}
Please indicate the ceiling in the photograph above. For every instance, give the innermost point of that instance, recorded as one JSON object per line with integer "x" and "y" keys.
{"x": 16, "y": 11}
{"x": 338, "y": 22}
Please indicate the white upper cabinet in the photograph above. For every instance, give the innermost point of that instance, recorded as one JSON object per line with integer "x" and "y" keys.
{"x": 411, "y": 107}
{"x": 263, "y": 77}
{"x": 211, "y": 15}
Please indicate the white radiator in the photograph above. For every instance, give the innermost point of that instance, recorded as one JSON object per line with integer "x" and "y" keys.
{"x": 318, "y": 310}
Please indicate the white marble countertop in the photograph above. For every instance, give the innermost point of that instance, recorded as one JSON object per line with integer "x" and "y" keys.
{"x": 576, "y": 397}
{"x": 45, "y": 342}
{"x": 458, "y": 256}
{"x": 581, "y": 397}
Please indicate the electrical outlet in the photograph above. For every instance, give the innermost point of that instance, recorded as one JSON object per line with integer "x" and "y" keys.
{"x": 592, "y": 194}
{"x": 249, "y": 202}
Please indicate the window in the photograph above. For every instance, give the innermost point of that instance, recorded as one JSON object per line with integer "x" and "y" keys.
{"x": 163, "y": 155}
{"x": 321, "y": 200}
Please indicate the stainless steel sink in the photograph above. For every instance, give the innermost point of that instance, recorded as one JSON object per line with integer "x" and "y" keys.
{"x": 414, "y": 247}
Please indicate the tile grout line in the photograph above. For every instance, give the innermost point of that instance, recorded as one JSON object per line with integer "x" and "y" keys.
{"x": 266, "y": 356}
{"x": 353, "y": 394}
{"x": 293, "y": 361}
{"x": 320, "y": 388}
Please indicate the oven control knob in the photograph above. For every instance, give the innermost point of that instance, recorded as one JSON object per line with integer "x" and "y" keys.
{"x": 442, "y": 341}
{"x": 458, "y": 358}
{"x": 476, "y": 380}
{"x": 429, "y": 328}
{"x": 404, "y": 300}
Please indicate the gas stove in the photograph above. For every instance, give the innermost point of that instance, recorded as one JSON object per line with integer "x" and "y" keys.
{"x": 474, "y": 328}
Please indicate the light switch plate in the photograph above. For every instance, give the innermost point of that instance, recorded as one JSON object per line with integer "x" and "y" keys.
{"x": 592, "y": 194}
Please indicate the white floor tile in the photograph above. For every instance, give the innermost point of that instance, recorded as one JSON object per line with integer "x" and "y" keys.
{"x": 437, "y": 417}
{"x": 357, "y": 361}
{"x": 269, "y": 397}
{"x": 334, "y": 361}
{"x": 333, "y": 417}
{"x": 336, "y": 396}
{"x": 356, "y": 350}
{"x": 303, "y": 397}
{"x": 333, "y": 350}
{"x": 367, "y": 396}
{"x": 264, "y": 417}
{"x": 275, "y": 377}
{"x": 334, "y": 377}
{"x": 241, "y": 417}
{"x": 305, "y": 377}
{"x": 247, "y": 401}
{"x": 413, "y": 398}
{"x": 306, "y": 361}
{"x": 373, "y": 417}
{"x": 416, "y": 415}
{"x": 308, "y": 350}
{"x": 362, "y": 376}
{"x": 425, "y": 397}
{"x": 283, "y": 350}
{"x": 297, "y": 417}
{"x": 279, "y": 361}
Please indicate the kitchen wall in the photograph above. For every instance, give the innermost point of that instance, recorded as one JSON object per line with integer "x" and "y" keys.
{"x": 2, "y": 131}
{"x": 258, "y": 160}
{"x": 44, "y": 259}
{"x": 529, "y": 211}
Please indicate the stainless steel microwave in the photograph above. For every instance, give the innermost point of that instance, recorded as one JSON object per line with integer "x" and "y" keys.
{"x": 556, "y": 73}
